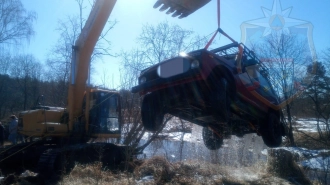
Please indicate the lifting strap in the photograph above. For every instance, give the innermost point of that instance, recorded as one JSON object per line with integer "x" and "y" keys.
{"x": 218, "y": 29}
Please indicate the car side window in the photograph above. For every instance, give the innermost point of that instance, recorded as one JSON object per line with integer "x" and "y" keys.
{"x": 264, "y": 82}
{"x": 251, "y": 67}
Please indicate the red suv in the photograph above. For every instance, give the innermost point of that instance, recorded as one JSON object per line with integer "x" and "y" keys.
{"x": 225, "y": 90}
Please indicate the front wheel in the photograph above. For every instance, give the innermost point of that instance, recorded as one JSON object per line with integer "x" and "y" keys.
{"x": 272, "y": 131}
{"x": 212, "y": 141}
{"x": 151, "y": 112}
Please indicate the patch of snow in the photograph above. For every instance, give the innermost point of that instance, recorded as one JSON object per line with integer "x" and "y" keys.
{"x": 303, "y": 152}
{"x": 318, "y": 163}
{"x": 146, "y": 179}
{"x": 309, "y": 125}
{"x": 311, "y": 159}
{"x": 178, "y": 136}
{"x": 28, "y": 173}
{"x": 245, "y": 175}
{"x": 236, "y": 138}
{"x": 216, "y": 177}
{"x": 264, "y": 152}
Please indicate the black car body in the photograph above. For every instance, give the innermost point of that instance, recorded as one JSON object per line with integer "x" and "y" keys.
{"x": 226, "y": 90}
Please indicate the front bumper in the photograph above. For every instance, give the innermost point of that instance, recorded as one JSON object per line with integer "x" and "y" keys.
{"x": 160, "y": 83}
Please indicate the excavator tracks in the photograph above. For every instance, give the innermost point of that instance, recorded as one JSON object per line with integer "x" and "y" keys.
{"x": 52, "y": 159}
{"x": 47, "y": 160}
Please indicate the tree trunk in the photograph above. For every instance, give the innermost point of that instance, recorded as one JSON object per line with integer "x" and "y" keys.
{"x": 290, "y": 132}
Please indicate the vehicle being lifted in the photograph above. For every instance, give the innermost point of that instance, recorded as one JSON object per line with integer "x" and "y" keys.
{"x": 226, "y": 90}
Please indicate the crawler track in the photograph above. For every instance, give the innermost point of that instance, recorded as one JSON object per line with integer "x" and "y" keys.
{"x": 49, "y": 159}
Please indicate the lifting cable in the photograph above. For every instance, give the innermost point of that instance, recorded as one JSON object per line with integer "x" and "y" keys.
{"x": 240, "y": 47}
{"x": 218, "y": 29}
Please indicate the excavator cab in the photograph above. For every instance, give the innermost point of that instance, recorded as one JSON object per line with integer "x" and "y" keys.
{"x": 104, "y": 115}
{"x": 180, "y": 8}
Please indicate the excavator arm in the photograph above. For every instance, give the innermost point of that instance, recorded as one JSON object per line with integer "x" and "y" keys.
{"x": 95, "y": 109}
{"x": 86, "y": 42}
{"x": 81, "y": 56}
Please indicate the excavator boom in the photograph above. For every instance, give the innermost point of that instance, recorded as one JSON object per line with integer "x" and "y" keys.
{"x": 180, "y": 8}
{"x": 83, "y": 50}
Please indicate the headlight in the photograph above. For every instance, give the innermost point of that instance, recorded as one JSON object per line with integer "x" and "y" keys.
{"x": 142, "y": 80}
{"x": 183, "y": 54}
{"x": 194, "y": 64}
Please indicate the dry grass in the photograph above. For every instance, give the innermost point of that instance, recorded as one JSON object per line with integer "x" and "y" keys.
{"x": 160, "y": 171}
{"x": 95, "y": 174}
{"x": 310, "y": 140}
{"x": 158, "y": 167}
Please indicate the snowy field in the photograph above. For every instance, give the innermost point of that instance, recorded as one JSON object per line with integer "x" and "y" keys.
{"x": 246, "y": 150}
{"x": 312, "y": 159}
{"x": 309, "y": 125}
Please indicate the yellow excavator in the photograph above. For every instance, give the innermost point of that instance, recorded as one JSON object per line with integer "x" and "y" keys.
{"x": 90, "y": 112}
{"x": 58, "y": 133}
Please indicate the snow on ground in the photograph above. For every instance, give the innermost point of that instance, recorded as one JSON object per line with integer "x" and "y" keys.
{"x": 311, "y": 159}
{"x": 318, "y": 163}
{"x": 303, "y": 152}
{"x": 309, "y": 125}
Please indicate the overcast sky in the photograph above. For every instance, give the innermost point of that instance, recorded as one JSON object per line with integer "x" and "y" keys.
{"x": 132, "y": 14}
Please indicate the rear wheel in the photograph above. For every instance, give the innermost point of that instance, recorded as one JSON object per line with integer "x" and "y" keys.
{"x": 212, "y": 141}
{"x": 151, "y": 112}
{"x": 272, "y": 131}
{"x": 220, "y": 100}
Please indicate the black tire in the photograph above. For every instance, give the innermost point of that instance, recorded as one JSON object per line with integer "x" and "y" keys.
{"x": 272, "y": 131}
{"x": 151, "y": 112}
{"x": 220, "y": 100}
{"x": 212, "y": 141}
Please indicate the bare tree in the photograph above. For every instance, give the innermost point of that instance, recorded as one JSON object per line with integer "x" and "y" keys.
{"x": 157, "y": 43}
{"x": 319, "y": 93}
{"x": 286, "y": 57}
{"x": 165, "y": 41}
{"x": 5, "y": 63}
{"x": 5, "y": 59}
{"x": 60, "y": 58}
{"x": 27, "y": 72}
{"x": 15, "y": 22}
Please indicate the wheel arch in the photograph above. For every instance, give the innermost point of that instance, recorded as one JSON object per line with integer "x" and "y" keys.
{"x": 222, "y": 71}
{"x": 276, "y": 112}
